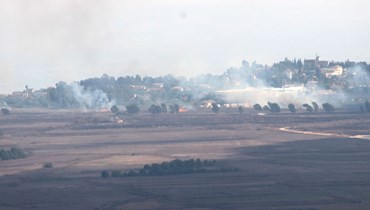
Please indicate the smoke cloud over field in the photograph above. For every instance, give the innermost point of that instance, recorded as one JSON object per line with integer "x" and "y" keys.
{"x": 95, "y": 99}
{"x": 350, "y": 88}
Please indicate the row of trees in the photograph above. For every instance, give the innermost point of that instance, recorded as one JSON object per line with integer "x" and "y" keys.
{"x": 172, "y": 168}
{"x": 154, "y": 109}
{"x": 275, "y": 108}
{"x": 12, "y": 153}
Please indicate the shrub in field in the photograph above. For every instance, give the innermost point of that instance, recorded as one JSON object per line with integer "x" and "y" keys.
{"x": 328, "y": 107}
{"x": 274, "y": 107}
{"x": 48, "y": 165}
{"x": 266, "y": 108}
{"x": 114, "y": 109}
{"x": 164, "y": 108}
{"x": 315, "y": 106}
{"x": 215, "y": 108}
{"x": 132, "y": 109}
{"x": 104, "y": 174}
{"x": 240, "y": 110}
{"x": 257, "y": 107}
{"x": 174, "y": 108}
{"x": 155, "y": 109}
{"x": 292, "y": 108}
{"x": 5, "y": 111}
{"x": 12, "y": 153}
{"x": 308, "y": 107}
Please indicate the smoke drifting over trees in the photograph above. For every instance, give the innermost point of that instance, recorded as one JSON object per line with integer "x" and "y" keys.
{"x": 285, "y": 82}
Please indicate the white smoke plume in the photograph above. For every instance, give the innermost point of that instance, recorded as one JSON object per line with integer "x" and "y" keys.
{"x": 95, "y": 99}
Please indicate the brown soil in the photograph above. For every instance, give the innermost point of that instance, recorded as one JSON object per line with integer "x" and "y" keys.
{"x": 278, "y": 169}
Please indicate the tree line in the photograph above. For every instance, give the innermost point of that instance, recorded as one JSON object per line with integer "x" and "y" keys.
{"x": 173, "y": 167}
{"x": 12, "y": 153}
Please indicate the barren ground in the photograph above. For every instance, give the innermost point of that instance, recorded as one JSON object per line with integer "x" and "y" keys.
{"x": 317, "y": 161}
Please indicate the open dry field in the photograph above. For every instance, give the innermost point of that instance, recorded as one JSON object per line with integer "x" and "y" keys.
{"x": 285, "y": 161}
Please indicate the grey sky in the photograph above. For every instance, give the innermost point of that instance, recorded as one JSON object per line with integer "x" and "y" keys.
{"x": 45, "y": 41}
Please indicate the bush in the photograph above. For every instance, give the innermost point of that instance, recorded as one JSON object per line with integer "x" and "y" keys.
{"x": 292, "y": 108}
{"x": 308, "y": 107}
{"x": 104, "y": 174}
{"x": 132, "y": 109}
{"x": 257, "y": 107}
{"x": 48, "y": 165}
{"x": 164, "y": 108}
{"x": 5, "y": 111}
{"x": 215, "y": 108}
{"x": 177, "y": 108}
{"x": 240, "y": 110}
{"x": 174, "y": 108}
{"x": 155, "y": 109}
{"x": 328, "y": 107}
{"x": 266, "y": 108}
{"x": 315, "y": 106}
{"x": 116, "y": 174}
{"x": 114, "y": 109}
{"x": 274, "y": 107}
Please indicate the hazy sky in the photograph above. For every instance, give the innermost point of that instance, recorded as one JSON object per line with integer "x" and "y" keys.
{"x": 45, "y": 41}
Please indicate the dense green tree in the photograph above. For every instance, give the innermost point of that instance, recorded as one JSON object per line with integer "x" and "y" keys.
{"x": 132, "y": 109}
{"x": 155, "y": 109}
{"x": 292, "y": 108}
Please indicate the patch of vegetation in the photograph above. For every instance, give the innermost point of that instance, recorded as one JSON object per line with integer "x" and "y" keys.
{"x": 274, "y": 107}
{"x": 174, "y": 109}
{"x": 308, "y": 107}
{"x": 240, "y": 110}
{"x": 266, "y": 108}
{"x": 315, "y": 106}
{"x": 173, "y": 167}
{"x": 12, "y": 153}
{"x": 292, "y": 108}
{"x": 164, "y": 108}
{"x": 155, "y": 109}
{"x": 114, "y": 109}
{"x": 104, "y": 174}
{"x": 257, "y": 107}
{"x": 5, "y": 111}
{"x": 132, "y": 109}
{"x": 48, "y": 165}
{"x": 215, "y": 108}
{"x": 328, "y": 107}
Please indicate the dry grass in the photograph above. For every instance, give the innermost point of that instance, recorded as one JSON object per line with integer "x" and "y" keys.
{"x": 277, "y": 169}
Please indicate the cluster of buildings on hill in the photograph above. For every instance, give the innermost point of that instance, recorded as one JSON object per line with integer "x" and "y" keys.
{"x": 312, "y": 66}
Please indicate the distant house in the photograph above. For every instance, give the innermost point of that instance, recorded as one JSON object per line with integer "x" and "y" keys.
{"x": 312, "y": 66}
{"x": 178, "y": 88}
{"x": 20, "y": 94}
{"x": 315, "y": 63}
{"x": 336, "y": 70}
{"x": 158, "y": 85}
{"x": 323, "y": 64}
{"x": 138, "y": 87}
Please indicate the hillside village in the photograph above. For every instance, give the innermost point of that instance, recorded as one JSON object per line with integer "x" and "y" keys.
{"x": 287, "y": 75}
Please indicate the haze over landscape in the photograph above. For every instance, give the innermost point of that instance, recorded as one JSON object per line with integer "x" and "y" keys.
{"x": 184, "y": 104}
{"x": 43, "y": 42}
